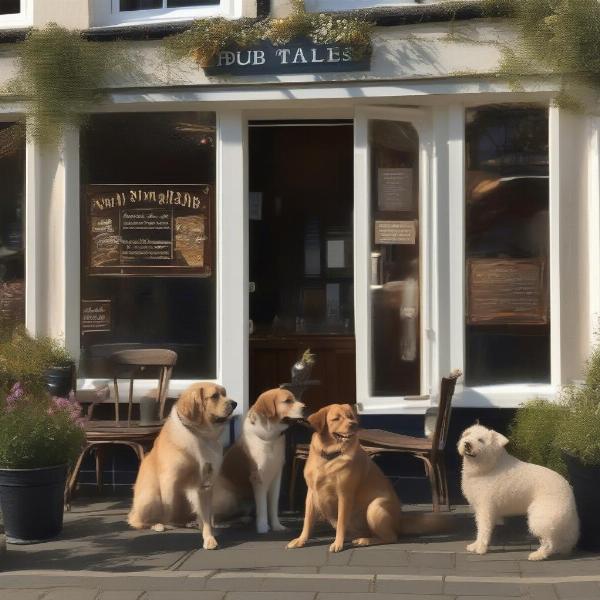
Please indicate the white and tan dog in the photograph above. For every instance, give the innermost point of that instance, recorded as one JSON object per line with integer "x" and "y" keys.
{"x": 498, "y": 485}
{"x": 176, "y": 477}
{"x": 251, "y": 471}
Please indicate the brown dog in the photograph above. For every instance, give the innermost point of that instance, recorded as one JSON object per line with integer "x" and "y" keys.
{"x": 175, "y": 479}
{"x": 251, "y": 471}
{"x": 346, "y": 488}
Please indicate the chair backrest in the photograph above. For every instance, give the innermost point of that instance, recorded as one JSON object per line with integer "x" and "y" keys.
{"x": 133, "y": 362}
{"x": 442, "y": 423}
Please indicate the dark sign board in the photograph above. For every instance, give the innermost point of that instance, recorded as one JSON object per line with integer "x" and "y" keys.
{"x": 507, "y": 291}
{"x": 297, "y": 56}
{"x": 149, "y": 229}
{"x": 95, "y": 316}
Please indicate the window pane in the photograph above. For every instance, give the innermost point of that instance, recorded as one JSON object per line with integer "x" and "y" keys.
{"x": 179, "y": 3}
{"x": 140, "y": 4}
{"x": 508, "y": 320}
{"x": 12, "y": 225}
{"x": 148, "y": 269}
{"x": 10, "y": 7}
{"x": 395, "y": 294}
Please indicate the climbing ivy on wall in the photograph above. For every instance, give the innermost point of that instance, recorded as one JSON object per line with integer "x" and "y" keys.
{"x": 61, "y": 77}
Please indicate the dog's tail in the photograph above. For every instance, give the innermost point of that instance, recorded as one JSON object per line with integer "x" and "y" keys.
{"x": 419, "y": 523}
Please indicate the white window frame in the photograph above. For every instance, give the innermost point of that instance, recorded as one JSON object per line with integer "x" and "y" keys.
{"x": 339, "y": 5}
{"x": 20, "y": 19}
{"x": 507, "y": 395}
{"x": 109, "y": 14}
{"x": 369, "y": 403}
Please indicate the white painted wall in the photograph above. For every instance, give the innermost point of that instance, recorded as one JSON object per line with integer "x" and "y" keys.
{"x": 74, "y": 14}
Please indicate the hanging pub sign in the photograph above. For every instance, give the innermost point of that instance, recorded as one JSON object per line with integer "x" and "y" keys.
{"x": 297, "y": 56}
{"x": 149, "y": 230}
{"x": 507, "y": 291}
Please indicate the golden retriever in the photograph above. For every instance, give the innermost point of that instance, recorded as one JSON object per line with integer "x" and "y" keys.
{"x": 176, "y": 477}
{"x": 251, "y": 470}
{"x": 346, "y": 488}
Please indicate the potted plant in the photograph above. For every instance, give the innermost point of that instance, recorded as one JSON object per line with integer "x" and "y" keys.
{"x": 565, "y": 436}
{"x": 40, "y": 436}
{"x": 36, "y": 362}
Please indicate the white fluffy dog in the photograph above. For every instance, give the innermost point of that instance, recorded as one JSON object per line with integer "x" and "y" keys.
{"x": 498, "y": 485}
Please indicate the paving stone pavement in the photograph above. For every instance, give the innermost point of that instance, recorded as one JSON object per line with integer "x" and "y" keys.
{"x": 99, "y": 558}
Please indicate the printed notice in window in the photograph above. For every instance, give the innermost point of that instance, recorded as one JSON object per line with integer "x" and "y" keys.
{"x": 507, "y": 291}
{"x": 395, "y": 189}
{"x": 149, "y": 229}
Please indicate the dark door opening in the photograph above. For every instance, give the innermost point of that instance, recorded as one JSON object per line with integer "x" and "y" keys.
{"x": 301, "y": 256}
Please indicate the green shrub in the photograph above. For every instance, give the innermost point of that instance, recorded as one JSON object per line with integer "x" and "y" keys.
{"x": 38, "y": 431}
{"x": 25, "y": 359}
{"x": 533, "y": 433}
{"x": 580, "y": 433}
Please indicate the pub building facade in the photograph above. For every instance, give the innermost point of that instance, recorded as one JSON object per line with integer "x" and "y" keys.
{"x": 402, "y": 215}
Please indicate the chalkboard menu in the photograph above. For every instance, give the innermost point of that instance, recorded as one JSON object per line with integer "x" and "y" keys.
{"x": 149, "y": 230}
{"x": 506, "y": 291}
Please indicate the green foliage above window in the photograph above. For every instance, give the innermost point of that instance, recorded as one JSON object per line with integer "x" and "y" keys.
{"x": 207, "y": 37}
{"x": 560, "y": 37}
{"x": 60, "y": 76}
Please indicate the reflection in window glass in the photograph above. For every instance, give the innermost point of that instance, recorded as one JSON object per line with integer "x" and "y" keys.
{"x": 181, "y": 3}
{"x": 507, "y": 298}
{"x": 148, "y": 269}
{"x": 10, "y": 7}
{"x": 12, "y": 225}
{"x": 395, "y": 269}
{"x": 140, "y": 4}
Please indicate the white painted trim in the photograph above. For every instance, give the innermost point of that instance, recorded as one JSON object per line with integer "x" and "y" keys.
{"x": 593, "y": 208}
{"x": 456, "y": 236}
{"x": 232, "y": 256}
{"x": 420, "y": 119}
{"x": 109, "y": 13}
{"x": 554, "y": 149}
{"x": 502, "y": 396}
{"x": 21, "y": 19}
{"x": 32, "y": 237}
{"x": 72, "y": 248}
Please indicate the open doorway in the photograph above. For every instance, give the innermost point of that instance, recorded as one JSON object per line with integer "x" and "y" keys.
{"x": 301, "y": 256}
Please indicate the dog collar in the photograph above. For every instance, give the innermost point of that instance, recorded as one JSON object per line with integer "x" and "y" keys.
{"x": 186, "y": 422}
{"x": 330, "y": 455}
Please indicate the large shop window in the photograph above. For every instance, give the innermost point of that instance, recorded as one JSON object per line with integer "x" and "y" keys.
{"x": 147, "y": 239}
{"x": 507, "y": 297}
{"x": 12, "y": 225}
{"x": 395, "y": 266}
{"x": 10, "y": 7}
{"x": 128, "y": 5}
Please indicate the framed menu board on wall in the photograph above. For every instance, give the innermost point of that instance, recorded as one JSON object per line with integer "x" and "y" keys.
{"x": 149, "y": 230}
{"x": 506, "y": 291}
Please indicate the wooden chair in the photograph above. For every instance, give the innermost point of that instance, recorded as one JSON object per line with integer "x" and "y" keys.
{"x": 128, "y": 364}
{"x": 430, "y": 450}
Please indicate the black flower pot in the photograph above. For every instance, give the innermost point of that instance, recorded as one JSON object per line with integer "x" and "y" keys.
{"x": 585, "y": 480}
{"x": 59, "y": 380}
{"x": 32, "y": 503}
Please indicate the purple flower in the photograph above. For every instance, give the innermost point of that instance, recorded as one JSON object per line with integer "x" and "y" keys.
{"x": 16, "y": 393}
{"x": 68, "y": 405}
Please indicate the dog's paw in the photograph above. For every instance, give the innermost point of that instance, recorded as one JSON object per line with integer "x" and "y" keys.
{"x": 210, "y": 543}
{"x": 361, "y": 541}
{"x": 336, "y": 546}
{"x": 477, "y": 548}
{"x": 159, "y": 527}
{"x": 278, "y": 527}
{"x": 297, "y": 543}
{"x": 538, "y": 555}
{"x": 262, "y": 527}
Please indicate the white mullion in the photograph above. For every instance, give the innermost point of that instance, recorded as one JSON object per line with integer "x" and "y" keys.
{"x": 456, "y": 234}
{"x": 32, "y": 236}
{"x": 594, "y": 226}
{"x": 554, "y": 167}
{"x": 362, "y": 256}
{"x": 232, "y": 256}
